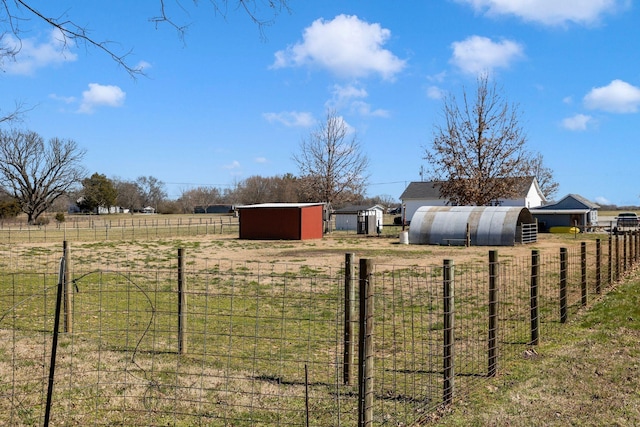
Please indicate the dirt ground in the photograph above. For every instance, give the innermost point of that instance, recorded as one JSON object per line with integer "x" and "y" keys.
{"x": 203, "y": 251}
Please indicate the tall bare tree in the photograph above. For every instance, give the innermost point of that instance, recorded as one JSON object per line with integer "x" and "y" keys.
{"x": 152, "y": 191}
{"x": 129, "y": 194}
{"x": 331, "y": 163}
{"x": 479, "y": 151}
{"x": 548, "y": 185}
{"x": 199, "y": 196}
{"x": 37, "y": 173}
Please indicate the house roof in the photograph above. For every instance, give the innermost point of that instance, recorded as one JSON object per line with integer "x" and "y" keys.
{"x": 431, "y": 189}
{"x": 354, "y": 209}
{"x": 571, "y": 201}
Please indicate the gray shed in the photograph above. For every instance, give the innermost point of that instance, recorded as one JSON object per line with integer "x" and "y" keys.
{"x": 474, "y": 225}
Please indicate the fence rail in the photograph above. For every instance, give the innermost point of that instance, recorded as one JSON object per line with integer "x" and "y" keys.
{"x": 269, "y": 344}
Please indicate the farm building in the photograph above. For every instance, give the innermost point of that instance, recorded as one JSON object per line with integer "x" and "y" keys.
{"x": 427, "y": 193}
{"x": 363, "y": 219}
{"x": 214, "y": 209}
{"x": 281, "y": 221}
{"x": 572, "y": 210}
{"x": 472, "y": 226}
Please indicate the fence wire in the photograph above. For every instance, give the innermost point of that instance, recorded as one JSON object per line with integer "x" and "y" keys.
{"x": 254, "y": 344}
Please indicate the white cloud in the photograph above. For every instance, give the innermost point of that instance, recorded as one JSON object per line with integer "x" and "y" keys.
{"x": 601, "y": 200}
{"x": 351, "y": 97}
{"x": 233, "y": 165}
{"x": 434, "y": 92}
{"x": 346, "y": 46}
{"x": 34, "y": 54}
{"x": 617, "y": 97}
{"x": 142, "y": 66}
{"x": 577, "y": 122}
{"x": 364, "y": 109}
{"x": 477, "y": 55}
{"x": 551, "y": 12}
{"x": 291, "y": 118}
{"x": 260, "y": 160}
{"x": 98, "y": 95}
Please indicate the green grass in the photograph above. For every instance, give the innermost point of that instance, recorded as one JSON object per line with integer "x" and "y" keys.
{"x": 586, "y": 374}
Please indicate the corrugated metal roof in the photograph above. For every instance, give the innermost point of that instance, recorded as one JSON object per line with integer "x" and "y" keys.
{"x": 488, "y": 225}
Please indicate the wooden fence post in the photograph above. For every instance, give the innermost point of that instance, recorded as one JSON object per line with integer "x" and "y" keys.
{"x": 535, "y": 274}
{"x": 583, "y": 273}
{"x": 448, "y": 304}
{"x": 610, "y": 260}
{"x": 182, "y": 305}
{"x": 68, "y": 318}
{"x": 598, "y": 266}
{"x": 563, "y": 285}
{"x": 493, "y": 313}
{"x": 365, "y": 349}
{"x": 349, "y": 317}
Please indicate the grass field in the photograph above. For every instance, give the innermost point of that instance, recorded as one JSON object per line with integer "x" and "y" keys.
{"x": 262, "y": 315}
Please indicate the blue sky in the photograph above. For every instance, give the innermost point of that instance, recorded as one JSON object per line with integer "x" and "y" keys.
{"x": 226, "y": 103}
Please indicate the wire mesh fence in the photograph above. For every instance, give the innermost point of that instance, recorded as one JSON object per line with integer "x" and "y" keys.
{"x": 252, "y": 343}
{"x": 107, "y": 229}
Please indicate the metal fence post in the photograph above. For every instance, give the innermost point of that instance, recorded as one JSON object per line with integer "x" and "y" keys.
{"x": 68, "y": 318}
{"x": 349, "y": 316}
{"x": 583, "y": 273}
{"x": 598, "y": 266}
{"x": 563, "y": 285}
{"x": 493, "y": 313}
{"x": 448, "y": 304}
{"x": 625, "y": 254}
{"x": 182, "y": 305}
{"x": 535, "y": 274}
{"x": 365, "y": 349}
{"x": 617, "y": 260}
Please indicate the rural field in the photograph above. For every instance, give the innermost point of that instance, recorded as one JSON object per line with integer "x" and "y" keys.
{"x": 265, "y": 322}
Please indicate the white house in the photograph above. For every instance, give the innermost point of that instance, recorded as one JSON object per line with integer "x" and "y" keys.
{"x": 427, "y": 193}
{"x": 369, "y": 218}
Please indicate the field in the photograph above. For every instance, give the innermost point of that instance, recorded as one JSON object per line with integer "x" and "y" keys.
{"x": 265, "y": 330}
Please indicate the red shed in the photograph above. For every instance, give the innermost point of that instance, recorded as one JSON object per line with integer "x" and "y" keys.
{"x": 285, "y": 221}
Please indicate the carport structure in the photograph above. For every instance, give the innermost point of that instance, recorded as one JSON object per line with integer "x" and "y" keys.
{"x": 472, "y": 226}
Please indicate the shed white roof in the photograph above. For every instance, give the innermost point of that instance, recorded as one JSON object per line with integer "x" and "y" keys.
{"x": 279, "y": 205}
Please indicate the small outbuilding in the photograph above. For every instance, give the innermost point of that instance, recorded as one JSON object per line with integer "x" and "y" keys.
{"x": 213, "y": 209}
{"x": 572, "y": 210}
{"x": 472, "y": 226}
{"x": 281, "y": 221}
{"x": 365, "y": 219}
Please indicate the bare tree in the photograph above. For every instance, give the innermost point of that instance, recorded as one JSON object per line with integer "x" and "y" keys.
{"x": 152, "y": 191}
{"x": 479, "y": 152}
{"x": 544, "y": 175}
{"x": 129, "y": 194}
{"x": 14, "y": 14}
{"x": 332, "y": 167}
{"x": 35, "y": 173}
{"x": 199, "y": 196}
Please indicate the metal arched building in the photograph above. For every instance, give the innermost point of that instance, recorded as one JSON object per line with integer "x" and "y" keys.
{"x": 472, "y": 225}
